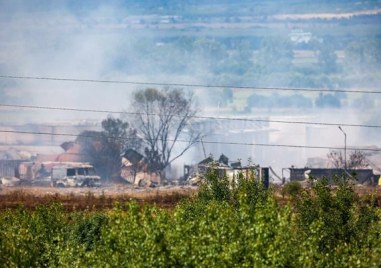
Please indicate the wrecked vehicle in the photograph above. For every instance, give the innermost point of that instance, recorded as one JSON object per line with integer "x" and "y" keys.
{"x": 75, "y": 175}
{"x": 9, "y": 181}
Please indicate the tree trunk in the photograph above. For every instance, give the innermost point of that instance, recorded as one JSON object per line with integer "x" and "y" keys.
{"x": 162, "y": 176}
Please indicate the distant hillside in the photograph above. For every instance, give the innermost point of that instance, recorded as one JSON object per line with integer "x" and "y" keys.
{"x": 196, "y": 7}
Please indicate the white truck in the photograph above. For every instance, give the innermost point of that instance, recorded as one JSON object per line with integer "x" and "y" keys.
{"x": 75, "y": 175}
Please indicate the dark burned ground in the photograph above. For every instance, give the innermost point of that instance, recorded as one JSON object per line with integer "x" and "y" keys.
{"x": 92, "y": 198}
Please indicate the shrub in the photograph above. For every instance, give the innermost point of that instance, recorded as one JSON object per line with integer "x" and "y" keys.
{"x": 292, "y": 189}
{"x": 225, "y": 225}
{"x": 328, "y": 218}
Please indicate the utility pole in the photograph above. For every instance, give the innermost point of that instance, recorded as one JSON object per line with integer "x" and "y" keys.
{"x": 345, "y": 148}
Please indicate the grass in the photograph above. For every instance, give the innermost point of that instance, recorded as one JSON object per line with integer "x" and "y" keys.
{"x": 89, "y": 200}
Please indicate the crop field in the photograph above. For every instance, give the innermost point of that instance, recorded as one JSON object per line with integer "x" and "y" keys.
{"x": 220, "y": 225}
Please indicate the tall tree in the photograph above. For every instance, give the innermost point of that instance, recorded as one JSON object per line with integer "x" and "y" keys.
{"x": 104, "y": 148}
{"x": 163, "y": 117}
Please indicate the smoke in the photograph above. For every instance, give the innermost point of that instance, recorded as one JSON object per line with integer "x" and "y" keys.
{"x": 61, "y": 43}
{"x": 49, "y": 40}
{"x": 120, "y": 40}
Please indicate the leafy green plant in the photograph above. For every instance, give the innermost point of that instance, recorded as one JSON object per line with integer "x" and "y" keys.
{"x": 329, "y": 217}
{"x": 292, "y": 189}
{"x": 87, "y": 230}
{"x": 225, "y": 225}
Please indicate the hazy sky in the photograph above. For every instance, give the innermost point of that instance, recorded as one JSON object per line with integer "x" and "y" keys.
{"x": 57, "y": 41}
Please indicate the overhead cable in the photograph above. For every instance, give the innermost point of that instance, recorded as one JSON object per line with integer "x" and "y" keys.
{"x": 193, "y": 116}
{"x": 203, "y": 141}
{"x": 188, "y": 85}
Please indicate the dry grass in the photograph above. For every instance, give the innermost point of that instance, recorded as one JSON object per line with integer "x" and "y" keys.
{"x": 104, "y": 198}
{"x": 30, "y": 198}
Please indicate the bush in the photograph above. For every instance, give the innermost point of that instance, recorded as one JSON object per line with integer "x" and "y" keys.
{"x": 292, "y": 189}
{"x": 328, "y": 218}
{"x": 226, "y": 225}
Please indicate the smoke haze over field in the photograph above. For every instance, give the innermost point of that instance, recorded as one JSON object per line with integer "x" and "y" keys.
{"x": 54, "y": 44}
{"x": 192, "y": 42}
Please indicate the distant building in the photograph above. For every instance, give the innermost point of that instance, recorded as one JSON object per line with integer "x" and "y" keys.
{"x": 10, "y": 160}
{"x": 362, "y": 176}
{"x": 299, "y": 36}
{"x": 9, "y": 168}
{"x": 225, "y": 168}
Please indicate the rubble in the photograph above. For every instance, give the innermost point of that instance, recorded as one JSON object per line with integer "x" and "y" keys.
{"x": 134, "y": 170}
{"x": 194, "y": 174}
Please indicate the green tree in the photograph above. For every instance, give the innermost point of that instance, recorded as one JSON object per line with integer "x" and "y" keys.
{"x": 363, "y": 54}
{"x": 275, "y": 55}
{"x": 104, "y": 148}
{"x": 209, "y": 53}
{"x": 240, "y": 59}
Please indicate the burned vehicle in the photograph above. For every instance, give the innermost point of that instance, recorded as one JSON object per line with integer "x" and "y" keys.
{"x": 74, "y": 175}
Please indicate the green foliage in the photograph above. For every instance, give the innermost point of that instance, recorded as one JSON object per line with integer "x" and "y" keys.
{"x": 215, "y": 188}
{"x": 31, "y": 239}
{"x": 226, "y": 225}
{"x": 275, "y": 54}
{"x": 88, "y": 230}
{"x": 104, "y": 148}
{"x": 363, "y": 55}
{"x": 292, "y": 189}
{"x": 328, "y": 219}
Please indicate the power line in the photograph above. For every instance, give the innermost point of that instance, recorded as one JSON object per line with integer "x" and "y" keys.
{"x": 193, "y": 116}
{"x": 204, "y": 141}
{"x": 62, "y": 109}
{"x": 187, "y": 85}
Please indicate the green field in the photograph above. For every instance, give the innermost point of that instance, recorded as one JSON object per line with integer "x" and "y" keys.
{"x": 222, "y": 226}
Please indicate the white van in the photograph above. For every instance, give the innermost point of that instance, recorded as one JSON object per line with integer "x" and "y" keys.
{"x": 75, "y": 175}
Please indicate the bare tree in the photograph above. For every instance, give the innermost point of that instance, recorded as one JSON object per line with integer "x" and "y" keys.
{"x": 357, "y": 159}
{"x": 163, "y": 117}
